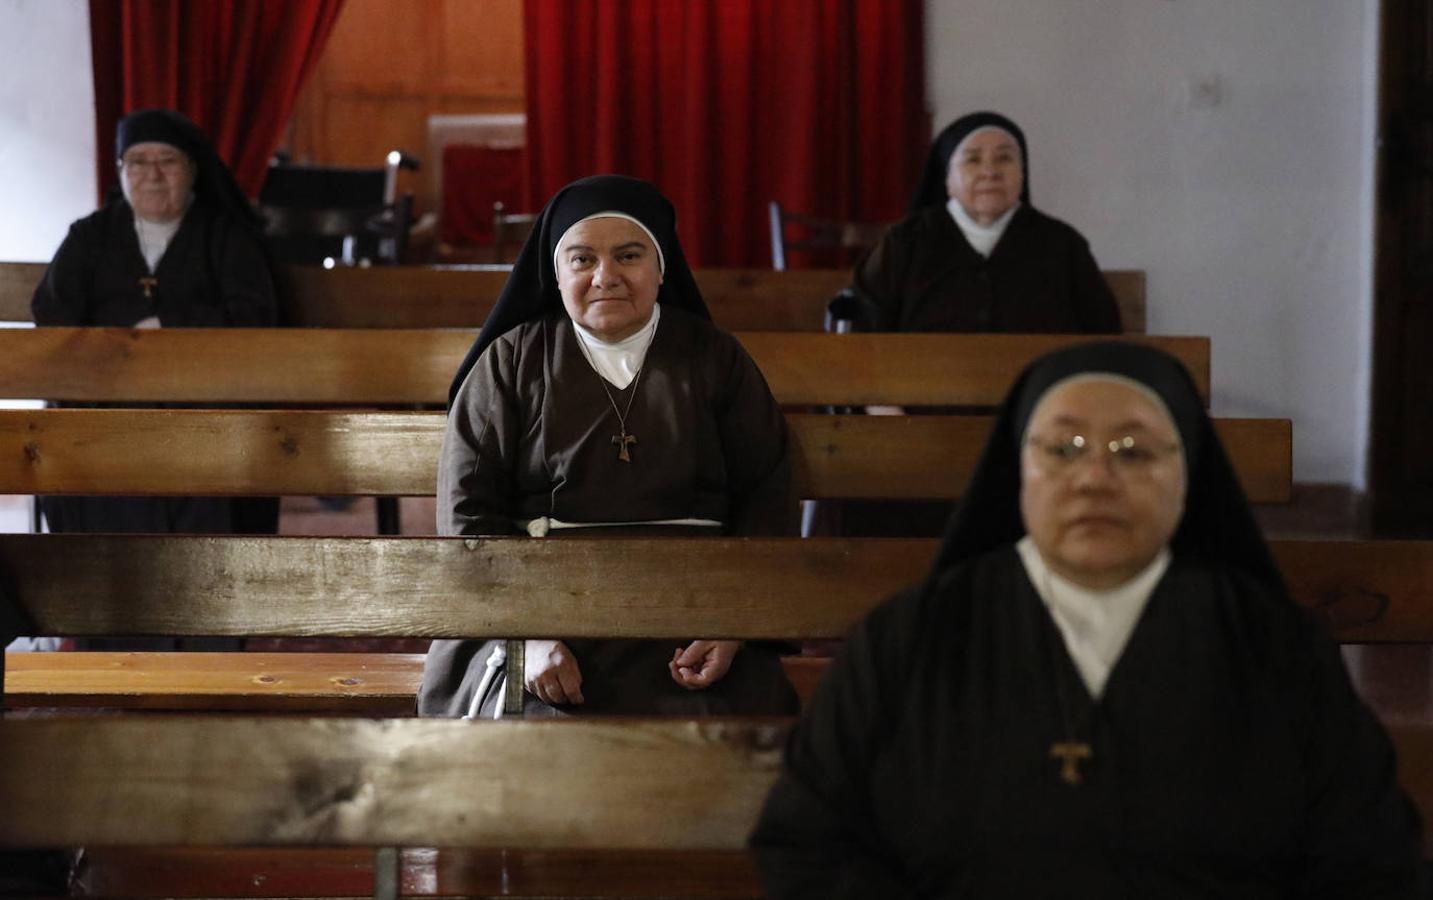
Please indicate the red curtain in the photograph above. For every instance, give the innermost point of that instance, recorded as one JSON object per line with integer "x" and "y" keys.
{"x": 474, "y": 177}
{"x": 727, "y": 104}
{"x": 233, "y": 66}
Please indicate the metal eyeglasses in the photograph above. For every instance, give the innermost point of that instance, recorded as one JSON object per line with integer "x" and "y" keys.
{"x": 1134, "y": 456}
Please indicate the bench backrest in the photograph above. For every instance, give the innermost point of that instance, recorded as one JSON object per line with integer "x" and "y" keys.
{"x": 333, "y": 782}
{"x": 380, "y": 366}
{"x": 86, "y": 585}
{"x": 462, "y": 296}
{"x": 293, "y": 452}
{"x": 336, "y": 782}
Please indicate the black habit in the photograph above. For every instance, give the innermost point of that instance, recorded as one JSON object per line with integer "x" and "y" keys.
{"x": 214, "y": 273}
{"x": 1040, "y": 278}
{"x": 1230, "y": 756}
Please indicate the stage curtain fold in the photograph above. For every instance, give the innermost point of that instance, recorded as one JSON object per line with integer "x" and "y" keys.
{"x": 727, "y": 104}
{"x": 233, "y": 66}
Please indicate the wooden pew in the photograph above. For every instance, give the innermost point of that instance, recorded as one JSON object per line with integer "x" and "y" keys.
{"x": 355, "y": 684}
{"x": 347, "y": 783}
{"x": 378, "y": 366}
{"x": 95, "y": 585}
{"x": 358, "y": 782}
{"x": 17, "y": 285}
{"x": 307, "y": 452}
{"x": 462, "y": 296}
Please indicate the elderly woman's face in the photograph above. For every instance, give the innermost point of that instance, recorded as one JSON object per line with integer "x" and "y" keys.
{"x": 1101, "y": 481}
{"x": 986, "y": 174}
{"x": 157, "y": 180}
{"x": 608, "y": 275}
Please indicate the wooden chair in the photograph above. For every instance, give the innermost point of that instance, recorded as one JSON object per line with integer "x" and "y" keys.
{"x": 360, "y": 235}
{"x": 510, "y": 230}
{"x": 352, "y": 216}
{"x": 846, "y": 238}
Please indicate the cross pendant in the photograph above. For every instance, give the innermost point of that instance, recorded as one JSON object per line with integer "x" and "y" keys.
{"x": 622, "y": 441}
{"x": 149, "y": 283}
{"x": 1071, "y": 754}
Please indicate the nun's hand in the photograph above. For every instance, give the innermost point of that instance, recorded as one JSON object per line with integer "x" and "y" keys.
{"x": 550, "y": 673}
{"x": 702, "y": 664}
{"x": 147, "y": 322}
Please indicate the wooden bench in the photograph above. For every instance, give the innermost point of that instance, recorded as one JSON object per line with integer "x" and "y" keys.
{"x": 309, "y": 452}
{"x": 94, "y": 585}
{"x": 406, "y": 367}
{"x": 462, "y": 296}
{"x": 362, "y": 783}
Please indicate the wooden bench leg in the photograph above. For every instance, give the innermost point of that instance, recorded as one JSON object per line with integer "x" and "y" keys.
{"x": 389, "y": 521}
{"x": 386, "y": 873}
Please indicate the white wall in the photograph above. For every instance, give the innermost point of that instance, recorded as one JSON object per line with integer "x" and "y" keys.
{"x": 47, "y": 113}
{"x": 1225, "y": 146}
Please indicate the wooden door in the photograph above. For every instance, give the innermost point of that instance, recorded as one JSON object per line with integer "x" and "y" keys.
{"x": 1401, "y": 434}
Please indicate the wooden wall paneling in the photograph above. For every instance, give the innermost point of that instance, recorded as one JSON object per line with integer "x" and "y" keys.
{"x": 390, "y": 64}
{"x": 481, "y": 50}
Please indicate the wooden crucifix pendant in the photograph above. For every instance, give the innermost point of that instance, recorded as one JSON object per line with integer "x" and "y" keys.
{"x": 1071, "y": 754}
{"x": 149, "y": 283}
{"x": 623, "y": 441}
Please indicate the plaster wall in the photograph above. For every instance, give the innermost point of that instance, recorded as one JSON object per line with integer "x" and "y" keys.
{"x": 1224, "y": 146}
{"x": 47, "y": 141}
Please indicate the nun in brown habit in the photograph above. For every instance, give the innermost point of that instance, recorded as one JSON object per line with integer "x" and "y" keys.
{"x": 599, "y": 399}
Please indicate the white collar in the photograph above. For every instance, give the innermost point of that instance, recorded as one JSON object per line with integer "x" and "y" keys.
{"x": 618, "y": 361}
{"x": 982, "y": 237}
{"x": 1095, "y": 624}
{"x": 154, "y": 238}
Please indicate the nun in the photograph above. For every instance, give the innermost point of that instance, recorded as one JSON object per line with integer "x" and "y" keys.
{"x": 599, "y": 399}
{"x": 972, "y": 254}
{"x": 1103, "y": 688}
{"x": 176, "y": 246}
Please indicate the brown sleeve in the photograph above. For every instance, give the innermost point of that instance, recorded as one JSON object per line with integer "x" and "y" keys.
{"x": 475, "y": 469}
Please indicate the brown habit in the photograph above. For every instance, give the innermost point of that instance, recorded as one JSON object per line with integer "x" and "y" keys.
{"x": 530, "y": 434}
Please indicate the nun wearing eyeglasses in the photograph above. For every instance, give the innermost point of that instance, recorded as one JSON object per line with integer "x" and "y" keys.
{"x": 176, "y": 246}
{"x": 973, "y": 255}
{"x": 1103, "y": 688}
{"x": 599, "y": 399}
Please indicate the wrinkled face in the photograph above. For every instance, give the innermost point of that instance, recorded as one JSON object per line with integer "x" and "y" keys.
{"x": 986, "y": 174}
{"x": 157, "y": 180}
{"x": 1099, "y": 514}
{"x": 608, "y": 275}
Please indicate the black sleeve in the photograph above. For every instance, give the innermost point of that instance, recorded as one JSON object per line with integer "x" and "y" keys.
{"x": 873, "y": 302}
{"x": 62, "y": 296}
{"x": 1362, "y": 836}
{"x": 245, "y": 281}
{"x": 815, "y": 837}
{"x": 1095, "y": 307}
{"x": 476, "y": 466}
